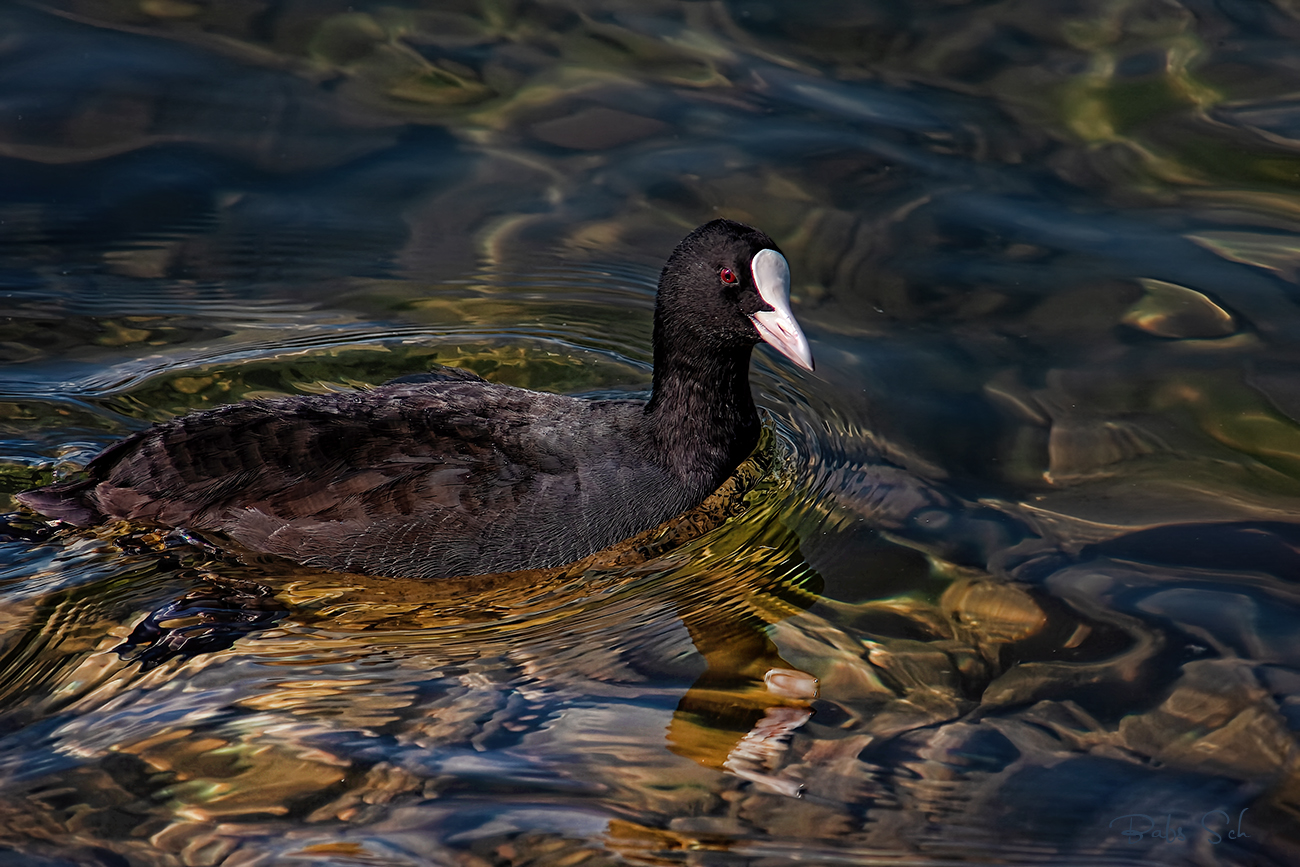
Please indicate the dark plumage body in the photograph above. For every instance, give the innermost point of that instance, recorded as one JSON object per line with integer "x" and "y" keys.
{"x": 451, "y": 475}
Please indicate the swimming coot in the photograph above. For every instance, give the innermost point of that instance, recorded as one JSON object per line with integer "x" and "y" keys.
{"x": 446, "y": 474}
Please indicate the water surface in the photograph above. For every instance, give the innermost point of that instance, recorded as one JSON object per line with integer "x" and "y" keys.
{"x": 1012, "y": 579}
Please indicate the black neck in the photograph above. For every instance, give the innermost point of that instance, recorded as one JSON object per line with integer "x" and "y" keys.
{"x": 702, "y": 414}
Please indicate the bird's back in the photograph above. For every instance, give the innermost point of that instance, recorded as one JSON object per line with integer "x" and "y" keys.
{"x": 427, "y": 479}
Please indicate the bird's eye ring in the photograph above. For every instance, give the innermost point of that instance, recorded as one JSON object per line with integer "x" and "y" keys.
{"x": 727, "y": 275}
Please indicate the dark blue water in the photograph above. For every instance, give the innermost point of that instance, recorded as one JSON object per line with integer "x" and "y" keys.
{"x": 1012, "y": 579}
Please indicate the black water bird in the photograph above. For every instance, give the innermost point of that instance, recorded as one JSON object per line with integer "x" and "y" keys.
{"x": 452, "y": 475}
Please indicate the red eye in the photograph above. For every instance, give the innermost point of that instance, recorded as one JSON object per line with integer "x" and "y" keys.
{"x": 727, "y": 275}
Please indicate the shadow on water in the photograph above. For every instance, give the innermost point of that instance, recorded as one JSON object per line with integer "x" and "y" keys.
{"x": 1013, "y": 581}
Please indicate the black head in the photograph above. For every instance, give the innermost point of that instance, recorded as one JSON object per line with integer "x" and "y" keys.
{"x": 725, "y": 288}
